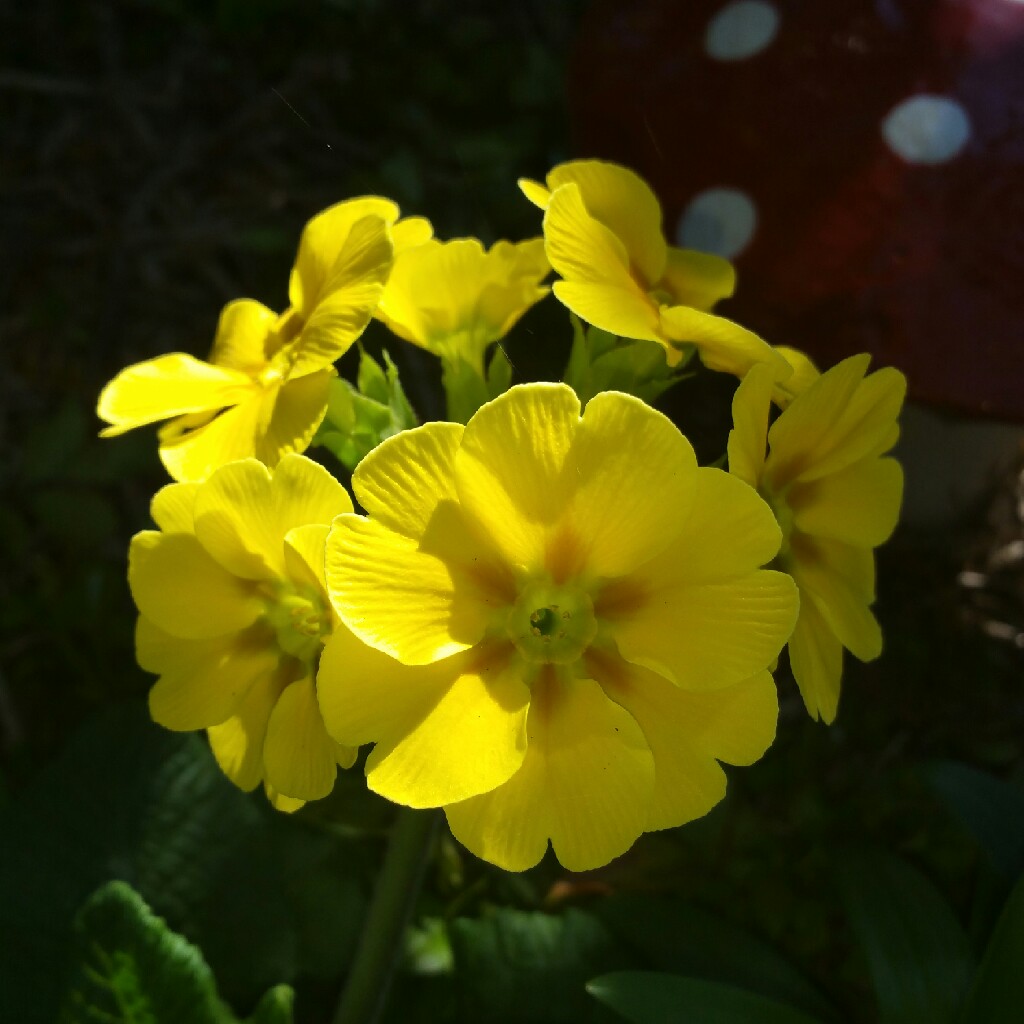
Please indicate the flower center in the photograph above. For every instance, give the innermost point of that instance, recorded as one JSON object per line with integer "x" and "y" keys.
{"x": 300, "y": 621}
{"x": 552, "y": 623}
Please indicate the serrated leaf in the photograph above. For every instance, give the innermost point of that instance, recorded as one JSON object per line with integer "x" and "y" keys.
{"x": 648, "y": 997}
{"x": 997, "y": 995}
{"x": 990, "y": 809}
{"x": 130, "y": 968}
{"x": 917, "y": 954}
{"x": 676, "y": 937}
{"x": 528, "y": 966}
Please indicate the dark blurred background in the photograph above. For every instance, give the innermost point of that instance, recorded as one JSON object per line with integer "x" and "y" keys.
{"x": 159, "y": 157}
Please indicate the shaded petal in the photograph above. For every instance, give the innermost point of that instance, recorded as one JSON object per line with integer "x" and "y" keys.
{"x": 831, "y": 574}
{"x": 859, "y": 505}
{"x": 347, "y": 298}
{"x": 698, "y": 279}
{"x": 623, "y": 202}
{"x": 298, "y": 755}
{"x": 722, "y": 344}
{"x": 586, "y": 783}
{"x": 305, "y": 549}
{"x": 804, "y": 374}
{"x": 396, "y": 597}
{"x": 688, "y": 733}
{"x": 237, "y": 744}
{"x": 628, "y": 508}
{"x": 513, "y": 473}
{"x": 193, "y": 454}
{"x": 324, "y": 238}
{"x": 709, "y": 635}
{"x": 443, "y": 732}
{"x": 410, "y": 232}
{"x": 167, "y": 386}
{"x": 298, "y": 411}
{"x": 182, "y": 590}
{"x": 748, "y": 439}
{"x": 280, "y": 802}
{"x": 619, "y": 309}
{"x": 201, "y": 681}
{"x": 171, "y": 508}
{"x": 241, "y": 339}
{"x": 816, "y": 658}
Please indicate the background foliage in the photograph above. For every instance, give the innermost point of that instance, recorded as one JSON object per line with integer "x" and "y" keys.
{"x": 159, "y": 158}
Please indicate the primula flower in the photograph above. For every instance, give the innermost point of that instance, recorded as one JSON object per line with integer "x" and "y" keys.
{"x": 602, "y": 230}
{"x": 558, "y": 624}
{"x": 264, "y": 390}
{"x": 836, "y": 500}
{"x": 454, "y": 298}
{"x": 233, "y": 615}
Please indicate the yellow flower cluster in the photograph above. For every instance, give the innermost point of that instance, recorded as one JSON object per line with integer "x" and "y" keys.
{"x": 550, "y": 622}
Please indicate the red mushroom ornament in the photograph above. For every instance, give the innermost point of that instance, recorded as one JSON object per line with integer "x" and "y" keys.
{"x": 862, "y": 163}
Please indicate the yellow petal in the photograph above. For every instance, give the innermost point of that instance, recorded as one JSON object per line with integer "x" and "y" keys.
{"x": 537, "y": 193}
{"x": 688, "y": 733}
{"x": 298, "y": 755}
{"x": 242, "y": 334}
{"x": 804, "y": 374}
{"x": 183, "y": 591}
{"x": 237, "y": 744}
{"x": 346, "y": 299}
{"x": 171, "y": 508}
{"x": 722, "y": 344}
{"x": 622, "y": 310}
{"x": 305, "y": 549}
{"x": 298, "y": 411}
{"x": 396, "y": 597}
{"x": 244, "y": 510}
{"x": 410, "y": 232}
{"x": 707, "y": 636}
{"x": 201, "y": 681}
{"x": 443, "y": 732}
{"x": 698, "y": 279}
{"x": 623, "y": 202}
{"x": 748, "y": 439}
{"x": 513, "y": 473}
{"x": 859, "y": 505}
{"x": 193, "y": 454}
{"x": 321, "y": 244}
{"x": 827, "y": 572}
{"x": 586, "y": 783}
{"x": 167, "y": 386}
{"x": 628, "y": 508}
{"x": 280, "y": 802}
{"x": 816, "y": 658}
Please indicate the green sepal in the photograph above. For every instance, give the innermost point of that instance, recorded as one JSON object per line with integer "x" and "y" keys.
{"x": 467, "y": 386}
{"x": 359, "y": 417}
{"x": 600, "y": 361}
{"x": 130, "y": 968}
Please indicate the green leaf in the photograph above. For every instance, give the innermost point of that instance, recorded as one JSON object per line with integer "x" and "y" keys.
{"x": 647, "y": 997}
{"x": 527, "y": 966}
{"x": 130, "y": 968}
{"x": 917, "y": 954}
{"x": 677, "y": 937}
{"x": 997, "y": 996}
{"x": 371, "y": 379}
{"x": 991, "y": 810}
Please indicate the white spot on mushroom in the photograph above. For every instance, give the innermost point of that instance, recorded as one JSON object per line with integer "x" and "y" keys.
{"x": 741, "y": 29}
{"x": 718, "y": 220}
{"x": 927, "y": 129}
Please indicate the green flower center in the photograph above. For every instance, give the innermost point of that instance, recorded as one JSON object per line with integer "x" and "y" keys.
{"x": 300, "y": 620}
{"x": 552, "y": 624}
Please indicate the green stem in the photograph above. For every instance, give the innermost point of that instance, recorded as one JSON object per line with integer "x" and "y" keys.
{"x": 394, "y": 897}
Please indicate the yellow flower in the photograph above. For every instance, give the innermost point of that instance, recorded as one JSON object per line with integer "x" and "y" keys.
{"x": 233, "y": 616}
{"x": 263, "y": 392}
{"x": 602, "y": 229}
{"x": 836, "y": 500}
{"x": 454, "y": 298}
{"x": 566, "y": 621}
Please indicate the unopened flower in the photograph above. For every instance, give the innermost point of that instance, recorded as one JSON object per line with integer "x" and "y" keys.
{"x": 456, "y": 298}
{"x": 263, "y": 392}
{"x": 558, "y": 624}
{"x": 836, "y": 499}
{"x": 603, "y": 233}
{"x": 233, "y": 616}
